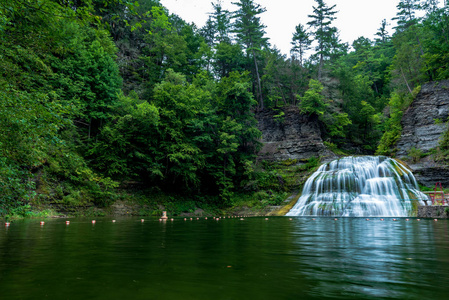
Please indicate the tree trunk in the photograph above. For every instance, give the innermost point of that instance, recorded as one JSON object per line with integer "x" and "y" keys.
{"x": 405, "y": 79}
{"x": 320, "y": 67}
{"x": 259, "y": 85}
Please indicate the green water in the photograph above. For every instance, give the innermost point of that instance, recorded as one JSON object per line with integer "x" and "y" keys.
{"x": 227, "y": 259}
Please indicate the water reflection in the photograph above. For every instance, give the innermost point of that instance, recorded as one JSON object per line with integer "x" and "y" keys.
{"x": 379, "y": 259}
{"x": 226, "y": 259}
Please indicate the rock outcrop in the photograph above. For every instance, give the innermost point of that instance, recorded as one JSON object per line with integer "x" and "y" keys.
{"x": 422, "y": 124}
{"x": 428, "y": 172}
{"x": 297, "y": 136}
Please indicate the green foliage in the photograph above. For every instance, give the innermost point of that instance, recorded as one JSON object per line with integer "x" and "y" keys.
{"x": 312, "y": 103}
{"x": 325, "y": 34}
{"x": 175, "y": 208}
{"x": 300, "y": 42}
{"x": 280, "y": 117}
{"x": 29, "y": 123}
{"x": 120, "y": 148}
{"x": 228, "y": 58}
{"x": 335, "y": 124}
{"x": 334, "y": 148}
{"x": 408, "y": 61}
{"x": 392, "y": 135}
{"x": 406, "y": 15}
{"x": 415, "y": 154}
{"x": 436, "y": 43}
{"x": 54, "y": 71}
{"x": 86, "y": 74}
{"x": 398, "y": 103}
{"x": 250, "y": 32}
{"x": 311, "y": 164}
{"x": 280, "y": 84}
{"x": 363, "y": 86}
{"x": 97, "y": 92}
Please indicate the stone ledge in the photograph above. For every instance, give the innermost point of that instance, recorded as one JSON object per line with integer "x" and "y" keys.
{"x": 434, "y": 212}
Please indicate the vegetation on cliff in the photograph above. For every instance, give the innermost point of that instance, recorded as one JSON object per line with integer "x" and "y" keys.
{"x": 95, "y": 94}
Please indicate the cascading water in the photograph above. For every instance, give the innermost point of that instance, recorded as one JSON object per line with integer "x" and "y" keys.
{"x": 365, "y": 186}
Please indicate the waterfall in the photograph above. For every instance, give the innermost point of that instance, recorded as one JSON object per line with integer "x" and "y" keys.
{"x": 365, "y": 186}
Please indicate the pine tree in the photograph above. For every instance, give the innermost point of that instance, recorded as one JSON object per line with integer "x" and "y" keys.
{"x": 325, "y": 34}
{"x": 250, "y": 33}
{"x": 301, "y": 42}
{"x": 430, "y": 5}
{"x": 222, "y": 22}
{"x": 218, "y": 25}
{"x": 406, "y": 15}
{"x": 208, "y": 32}
{"x": 382, "y": 32}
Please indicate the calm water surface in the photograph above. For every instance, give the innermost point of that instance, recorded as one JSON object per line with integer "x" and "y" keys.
{"x": 227, "y": 259}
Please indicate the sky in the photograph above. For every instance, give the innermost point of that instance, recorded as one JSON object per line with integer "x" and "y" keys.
{"x": 355, "y": 18}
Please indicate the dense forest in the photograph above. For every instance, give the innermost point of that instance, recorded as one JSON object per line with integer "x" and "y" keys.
{"x": 97, "y": 94}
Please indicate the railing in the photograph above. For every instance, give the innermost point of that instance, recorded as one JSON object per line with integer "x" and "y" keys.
{"x": 437, "y": 197}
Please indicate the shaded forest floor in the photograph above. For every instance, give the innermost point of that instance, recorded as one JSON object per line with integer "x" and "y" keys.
{"x": 273, "y": 190}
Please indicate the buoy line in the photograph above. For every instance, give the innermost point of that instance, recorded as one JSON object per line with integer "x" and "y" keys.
{"x": 241, "y": 218}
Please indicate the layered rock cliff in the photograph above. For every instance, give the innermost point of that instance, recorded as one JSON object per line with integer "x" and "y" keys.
{"x": 423, "y": 124}
{"x": 296, "y": 136}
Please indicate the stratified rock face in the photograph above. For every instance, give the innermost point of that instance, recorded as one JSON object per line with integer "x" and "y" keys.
{"x": 297, "y": 137}
{"x": 428, "y": 172}
{"x": 419, "y": 128}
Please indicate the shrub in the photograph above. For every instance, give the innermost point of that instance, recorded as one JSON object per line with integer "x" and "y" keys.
{"x": 415, "y": 154}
